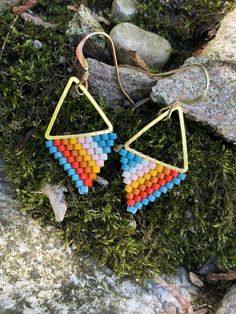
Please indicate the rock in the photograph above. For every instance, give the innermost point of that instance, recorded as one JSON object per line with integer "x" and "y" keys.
{"x": 83, "y": 24}
{"x": 103, "y": 83}
{"x": 37, "y": 44}
{"x": 153, "y": 49}
{"x": 218, "y": 110}
{"x": 195, "y": 280}
{"x": 223, "y": 46}
{"x": 6, "y": 4}
{"x": 208, "y": 267}
{"x": 228, "y": 304}
{"x": 124, "y": 10}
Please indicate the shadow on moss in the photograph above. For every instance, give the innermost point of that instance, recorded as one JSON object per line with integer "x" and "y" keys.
{"x": 189, "y": 224}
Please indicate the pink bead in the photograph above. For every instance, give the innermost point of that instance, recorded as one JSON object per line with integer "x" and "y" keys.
{"x": 140, "y": 173}
{"x": 134, "y": 177}
{"x": 86, "y": 145}
{"x": 90, "y": 151}
{"x": 81, "y": 140}
{"x": 96, "y": 157}
{"x": 127, "y": 181}
{"x": 100, "y": 163}
{"x": 146, "y": 169}
{"x": 152, "y": 165}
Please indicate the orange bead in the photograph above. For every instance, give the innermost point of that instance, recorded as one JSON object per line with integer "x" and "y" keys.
{"x": 69, "y": 147}
{"x": 78, "y": 158}
{"x": 92, "y": 176}
{"x": 87, "y": 170}
{"x": 141, "y": 187}
{"x": 148, "y": 183}
{"x": 154, "y": 179}
{"x": 135, "y": 191}
{"x": 74, "y": 153}
{"x": 160, "y": 175}
{"x": 166, "y": 171}
{"x": 129, "y": 196}
{"x": 83, "y": 164}
{"x": 65, "y": 141}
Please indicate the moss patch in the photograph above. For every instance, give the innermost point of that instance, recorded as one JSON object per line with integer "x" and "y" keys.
{"x": 187, "y": 225}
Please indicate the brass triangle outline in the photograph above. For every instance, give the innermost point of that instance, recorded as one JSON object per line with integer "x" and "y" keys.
{"x": 60, "y": 103}
{"x": 150, "y": 125}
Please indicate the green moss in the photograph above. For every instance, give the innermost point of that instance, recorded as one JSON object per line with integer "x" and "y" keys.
{"x": 187, "y": 225}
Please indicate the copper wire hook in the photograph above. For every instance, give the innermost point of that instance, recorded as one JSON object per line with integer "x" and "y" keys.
{"x": 84, "y": 63}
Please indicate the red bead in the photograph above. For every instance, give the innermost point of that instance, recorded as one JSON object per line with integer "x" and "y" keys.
{"x": 143, "y": 194}
{"x": 168, "y": 178}
{"x": 79, "y": 170}
{"x": 130, "y": 202}
{"x": 137, "y": 198}
{"x": 149, "y": 190}
{"x": 66, "y": 153}
{"x": 162, "y": 182}
{"x": 57, "y": 142}
{"x": 75, "y": 164}
{"x": 61, "y": 148}
{"x": 71, "y": 159}
{"x": 174, "y": 173}
{"x": 155, "y": 186}
{"x": 88, "y": 182}
{"x": 83, "y": 176}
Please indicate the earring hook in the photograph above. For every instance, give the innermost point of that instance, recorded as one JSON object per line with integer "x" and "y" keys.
{"x": 84, "y": 63}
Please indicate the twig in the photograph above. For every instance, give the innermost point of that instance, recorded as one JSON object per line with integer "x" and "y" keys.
{"x": 6, "y": 38}
{"x": 230, "y": 275}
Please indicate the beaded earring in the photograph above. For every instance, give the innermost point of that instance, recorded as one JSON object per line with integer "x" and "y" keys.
{"x": 82, "y": 155}
{"x": 147, "y": 178}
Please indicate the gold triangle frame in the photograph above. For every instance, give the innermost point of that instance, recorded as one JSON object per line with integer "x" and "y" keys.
{"x": 60, "y": 103}
{"x": 151, "y": 124}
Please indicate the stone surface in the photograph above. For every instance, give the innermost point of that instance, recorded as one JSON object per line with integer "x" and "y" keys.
{"x": 195, "y": 280}
{"x": 82, "y": 24}
{"x": 153, "y": 49}
{"x": 37, "y": 44}
{"x": 124, "y": 10}
{"x": 103, "y": 83}
{"x": 6, "y": 4}
{"x": 228, "y": 304}
{"x": 38, "y": 274}
{"x": 223, "y": 46}
{"x": 218, "y": 110}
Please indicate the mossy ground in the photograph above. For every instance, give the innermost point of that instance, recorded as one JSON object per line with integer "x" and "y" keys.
{"x": 186, "y": 226}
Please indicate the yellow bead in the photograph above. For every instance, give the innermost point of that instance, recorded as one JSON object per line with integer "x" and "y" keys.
{"x": 128, "y": 188}
{"x": 159, "y": 168}
{"x": 91, "y": 163}
{"x": 134, "y": 184}
{"x": 77, "y": 147}
{"x": 87, "y": 158}
{"x": 73, "y": 141}
{"x": 141, "y": 180}
{"x": 147, "y": 176}
{"x": 153, "y": 173}
{"x": 82, "y": 152}
{"x": 96, "y": 169}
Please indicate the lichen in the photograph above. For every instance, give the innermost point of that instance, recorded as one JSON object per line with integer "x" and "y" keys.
{"x": 186, "y": 226}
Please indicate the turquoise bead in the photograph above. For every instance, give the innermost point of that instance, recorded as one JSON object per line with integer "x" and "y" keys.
{"x": 157, "y": 194}
{"x": 151, "y": 198}
{"x": 145, "y": 201}
{"x": 52, "y": 149}
{"x": 83, "y": 189}
{"x": 67, "y": 166}
{"x": 138, "y": 205}
{"x": 58, "y": 155}
{"x": 62, "y": 161}
{"x": 71, "y": 172}
{"x": 123, "y": 152}
{"x": 104, "y": 137}
{"x": 132, "y": 209}
{"x": 49, "y": 144}
{"x": 124, "y": 160}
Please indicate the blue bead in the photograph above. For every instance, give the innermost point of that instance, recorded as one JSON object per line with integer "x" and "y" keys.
{"x": 113, "y": 136}
{"x": 163, "y": 189}
{"x": 67, "y": 166}
{"x": 151, "y": 198}
{"x": 62, "y": 161}
{"x": 176, "y": 181}
{"x": 182, "y": 176}
{"x": 125, "y": 167}
{"x": 57, "y": 155}
{"x": 79, "y": 183}
{"x": 145, "y": 201}
{"x": 130, "y": 155}
{"x": 71, "y": 172}
{"x": 138, "y": 159}
{"x": 124, "y": 160}
{"x": 104, "y": 137}
{"x": 83, "y": 189}
{"x": 102, "y": 144}
{"x": 157, "y": 194}
{"x": 75, "y": 177}
{"x": 131, "y": 163}
{"x": 123, "y": 152}
{"x": 138, "y": 205}
{"x": 107, "y": 150}
{"x": 131, "y": 209}
{"x": 52, "y": 149}
{"x": 169, "y": 185}
{"x": 96, "y": 138}
{"x": 110, "y": 143}
{"x": 49, "y": 144}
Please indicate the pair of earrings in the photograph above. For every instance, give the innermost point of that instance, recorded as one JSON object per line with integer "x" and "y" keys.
{"x": 83, "y": 155}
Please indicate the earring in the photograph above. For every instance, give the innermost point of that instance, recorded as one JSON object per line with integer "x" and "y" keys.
{"x": 83, "y": 155}
{"x": 147, "y": 178}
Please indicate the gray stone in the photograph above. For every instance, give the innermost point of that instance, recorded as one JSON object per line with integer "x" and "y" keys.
{"x": 223, "y": 46}
{"x": 228, "y": 304}
{"x": 103, "y": 83}
{"x": 6, "y": 4}
{"x": 124, "y": 10}
{"x": 218, "y": 110}
{"x": 153, "y": 49}
{"x": 195, "y": 280}
{"x": 83, "y": 24}
{"x": 38, "y": 274}
{"x": 37, "y": 44}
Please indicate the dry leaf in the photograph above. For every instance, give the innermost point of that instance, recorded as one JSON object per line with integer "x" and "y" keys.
{"x": 230, "y": 275}
{"x": 28, "y": 4}
{"x": 102, "y": 19}
{"x": 72, "y": 8}
{"x": 134, "y": 56}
